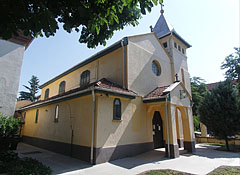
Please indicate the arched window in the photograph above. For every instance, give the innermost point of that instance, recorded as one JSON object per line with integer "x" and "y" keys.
{"x": 56, "y": 114}
{"x": 62, "y": 87}
{"x": 117, "y": 111}
{"x": 46, "y": 94}
{"x": 37, "y": 113}
{"x": 85, "y": 78}
{"x": 156, "y": 68}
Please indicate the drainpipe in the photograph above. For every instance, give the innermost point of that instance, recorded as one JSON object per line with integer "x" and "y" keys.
{"x": 124, "y": 66}
{"x": 166, "y": 112}
{"x": 93, "y": 120}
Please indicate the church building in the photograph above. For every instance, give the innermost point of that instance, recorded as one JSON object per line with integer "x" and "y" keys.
{"x": 132, "y": 97}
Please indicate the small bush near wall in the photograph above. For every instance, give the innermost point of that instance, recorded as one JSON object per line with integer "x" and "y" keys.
{"x": 9, "y": 127}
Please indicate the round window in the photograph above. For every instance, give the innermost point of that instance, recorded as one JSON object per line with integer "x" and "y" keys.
{"x": 156, "y": 68}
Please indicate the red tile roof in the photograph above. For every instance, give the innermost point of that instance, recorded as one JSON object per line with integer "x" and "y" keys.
{"x": 102, "y": 84}
{"x": 210, "y": 86}
{"x": 156, "y": 93}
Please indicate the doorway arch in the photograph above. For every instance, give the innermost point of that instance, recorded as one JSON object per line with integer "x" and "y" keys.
{"x": 157, "y": 127}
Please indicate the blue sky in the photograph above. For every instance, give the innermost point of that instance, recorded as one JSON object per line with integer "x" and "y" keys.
{"x": 210, "y": 26}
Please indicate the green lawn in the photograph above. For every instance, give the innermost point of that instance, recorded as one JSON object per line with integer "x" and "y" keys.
{"x": 218, "y": 171}
{"x": 226, "y": 171}
{"x": 233, "y": 148}
{"x": 214, "y": 144}
{"x": 164, "y": 172}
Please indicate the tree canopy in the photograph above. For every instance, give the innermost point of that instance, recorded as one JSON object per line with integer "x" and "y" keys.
{"x": 220, "y": 111}
{"x": 33, "y": 90}
{"x": 199, "y": 89}
{"x": 232, "y": 64}
{"x": 96, "y": 19}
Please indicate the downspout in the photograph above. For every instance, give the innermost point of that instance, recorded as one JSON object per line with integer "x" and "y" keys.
{"x": 166, "y": 112}
{"x": 171, "y": 54}
{"x": 124, "y": 66}
{"x": 93, "y": 121}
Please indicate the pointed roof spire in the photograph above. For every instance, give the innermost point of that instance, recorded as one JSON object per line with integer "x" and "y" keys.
{"x": 163, "y": 28}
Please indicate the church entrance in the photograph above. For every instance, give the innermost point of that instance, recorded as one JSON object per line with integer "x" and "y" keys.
{"x": 157, "y": 126}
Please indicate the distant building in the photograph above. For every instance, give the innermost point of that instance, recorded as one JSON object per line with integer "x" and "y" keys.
{"x": 11, "y": 56}
{"x": 129, "y": 98}
{"x": 210, "y": 86}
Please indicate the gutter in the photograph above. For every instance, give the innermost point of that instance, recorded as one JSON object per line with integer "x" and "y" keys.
{"x": 93, "y": 126}
{"x": 122, "y": 43}
{"x": 166, "y": 114}
{"x": 79, "y": 94}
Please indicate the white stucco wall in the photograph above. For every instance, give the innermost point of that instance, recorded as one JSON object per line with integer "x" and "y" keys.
{"x": 11, "y": 56}
{"x": 142, "y": 50}
{"x": 175, "y": 97}
{"x": 180, "y": 62}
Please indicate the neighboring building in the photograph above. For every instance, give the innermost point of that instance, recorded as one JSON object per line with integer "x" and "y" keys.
{"x": 11, "y": 56}
{"x": 122, "y": 101}
{"x": 210, "y": 86}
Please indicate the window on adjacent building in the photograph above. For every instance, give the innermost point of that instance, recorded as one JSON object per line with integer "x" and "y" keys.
{"x": 156, "y": 68}
{"x": 56, "y": 114}
{"x": 175, "y": 45}
{"x": 37, "y": 113}
{"x": 62, "y": 87}
{"x": 165, "y": 45}
{"x": 46, "y": 93}
{"x": 117, "y": 109}
{"x": 85, "y": 78}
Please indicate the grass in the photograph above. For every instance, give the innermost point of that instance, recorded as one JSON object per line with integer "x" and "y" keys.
{"x": 226, "y": 171}
{"x": 223, "y": 170}
{"x": 213, "y": 144}
{"x": 164, "y": 172}
{"x": 233, "y": 148}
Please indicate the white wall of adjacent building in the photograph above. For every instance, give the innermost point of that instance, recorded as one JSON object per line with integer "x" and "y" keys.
{"x": 11, "y": 57}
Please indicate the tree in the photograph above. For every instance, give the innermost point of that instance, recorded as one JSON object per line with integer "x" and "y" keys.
{"x": 219, "y": 111}
{"x": 199, "y": 89}
{"x": 97, "y": 19}
{"x": 232, "y": 64}
{"x": 33, "y": 90}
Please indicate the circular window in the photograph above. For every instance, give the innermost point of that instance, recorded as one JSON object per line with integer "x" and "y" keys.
{"x": 156, "y": 68}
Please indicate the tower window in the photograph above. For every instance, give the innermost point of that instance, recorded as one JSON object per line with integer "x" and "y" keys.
{"x": 183, "y": 50}
{"x": 46, "y": 94}
{"x": 156, "y": 68}
{"x": 179, "y": 48}
{"x": 117, "y": 109}
{"x": 165, "y": 45}
{"x": 85, "y": 78}
{"x": 62, "y": 87}
{"x": 175, "y": 45}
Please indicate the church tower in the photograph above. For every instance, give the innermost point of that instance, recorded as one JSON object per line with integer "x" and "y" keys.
{"x": 176, "y": 47}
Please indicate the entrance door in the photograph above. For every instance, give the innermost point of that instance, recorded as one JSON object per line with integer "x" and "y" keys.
{"x": 157, "y": 127}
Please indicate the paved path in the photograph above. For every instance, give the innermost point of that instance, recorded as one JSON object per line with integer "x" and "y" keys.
{"x": 202, "y": 162}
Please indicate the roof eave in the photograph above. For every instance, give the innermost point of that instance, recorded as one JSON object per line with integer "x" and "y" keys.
{"x": 79, "y": 94}
{"x": 113, "y": 47}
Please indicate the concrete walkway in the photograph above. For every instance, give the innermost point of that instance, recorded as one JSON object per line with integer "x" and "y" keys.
{"x": 202, "y": 162}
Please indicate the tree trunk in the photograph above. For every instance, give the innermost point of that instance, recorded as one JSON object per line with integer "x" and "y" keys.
{"x": 227, "y": 145}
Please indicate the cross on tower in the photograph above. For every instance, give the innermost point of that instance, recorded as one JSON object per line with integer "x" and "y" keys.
{"x": 162, "y": 11}
{"x": 176, "y": 77}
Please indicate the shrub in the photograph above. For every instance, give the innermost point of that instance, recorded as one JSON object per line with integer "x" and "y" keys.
{"x": 9, "y": 127}
{"x": 26, "y": 166}
{"x": 11, "y": 164}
